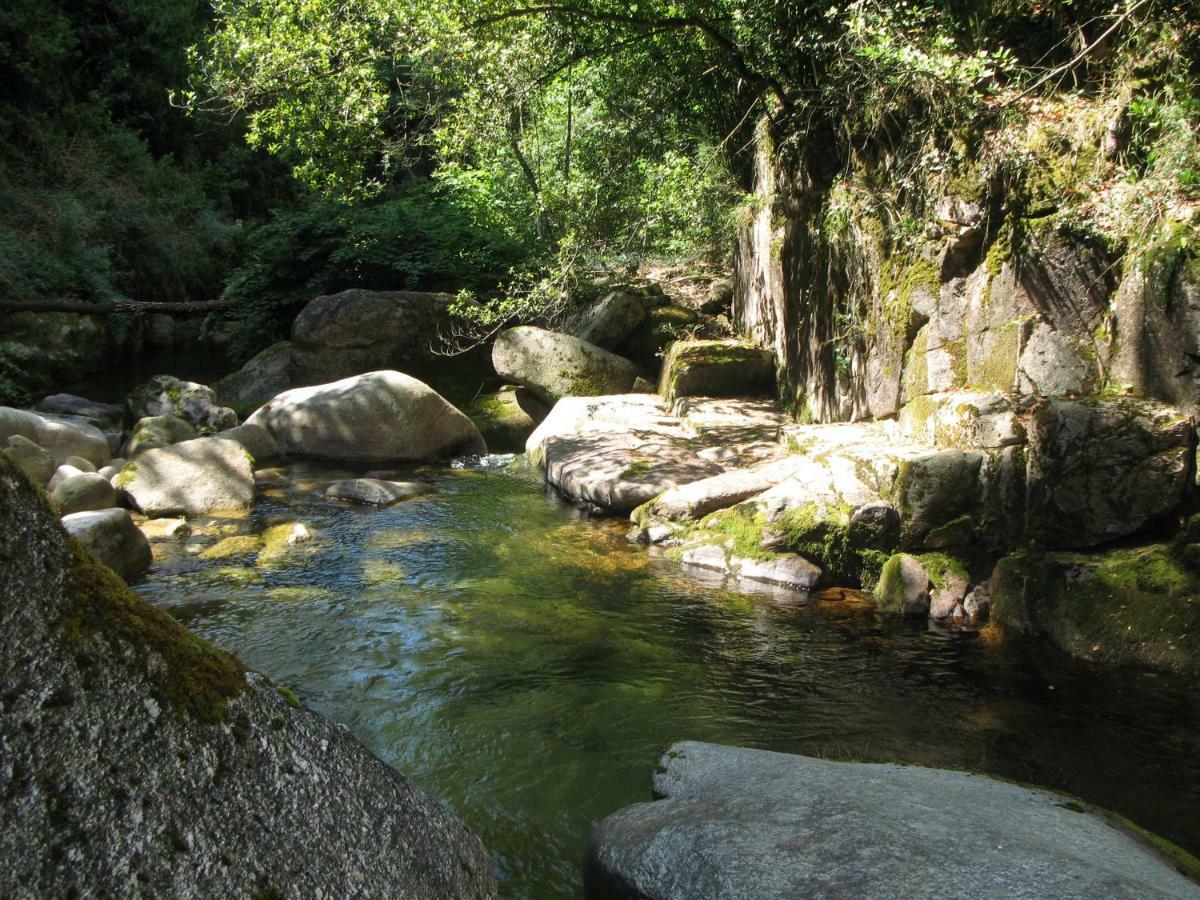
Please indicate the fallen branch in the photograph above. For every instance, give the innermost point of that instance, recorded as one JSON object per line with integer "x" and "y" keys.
{"x": 119, "y": 306}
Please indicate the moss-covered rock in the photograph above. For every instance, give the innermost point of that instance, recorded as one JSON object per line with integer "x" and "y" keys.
{"x": 507, "y": 418}
{"x": 903, "y": 587}
{"x": 554, "y": 366}
{"x": 662, "y": 325}
{"x": 716, "y": 369}
{"x": 1128, "y": 605}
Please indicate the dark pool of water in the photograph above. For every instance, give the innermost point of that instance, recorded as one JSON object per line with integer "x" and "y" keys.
{"x": 527, "y": 667}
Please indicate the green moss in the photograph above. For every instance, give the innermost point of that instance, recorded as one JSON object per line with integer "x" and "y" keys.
{"x": 237, "y": 545}
{"x": 998, "y": 254}
{"x": 637, "y": 468}
{"x": 126, "y": 476}
{"x": 741, "y": 530}
{"x": 943, "y": 568}
{"x": 191, "y": 675}
{"x": 289, "y": 696}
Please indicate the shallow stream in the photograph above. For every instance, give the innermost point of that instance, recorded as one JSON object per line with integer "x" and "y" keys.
{"x": 528, "y": 666}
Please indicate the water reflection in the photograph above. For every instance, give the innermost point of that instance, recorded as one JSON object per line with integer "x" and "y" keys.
{"x": 527, "y": 666}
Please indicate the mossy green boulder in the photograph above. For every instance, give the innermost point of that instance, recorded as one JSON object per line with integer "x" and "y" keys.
{"x": 554, "y": 365}
{"x": 716, "y": 369}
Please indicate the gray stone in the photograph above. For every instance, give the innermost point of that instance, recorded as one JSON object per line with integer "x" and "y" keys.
{"x": 1051, "y": 365}
{"x": 256, "y": 439}
{"x": 716, "y": 369}
{"x": 555, "y": 365}
{"x": 260, "y": 379}
{"x": 32, "y": 459}
{"x": 374, "y": 491}
{"x": 903, "y": 587}
{"x": 61, "y": 474}
{"x": 705, "y": 556}
{"x": 788, "y": 570}
{"x": 740, "y": 823}
{"x": 1099, "y": 471}
{"x": 111, "y": 535}
{"x": 166, "y": 395}
{"x": 165, "y": 529}
{"x": 647, "y": 343}
{"x": 374, "y": 417}
{"x": 720, "y": 297}
{"x": 191, "y": 478}
{"x": 83, "y": 465}
{"x": 933, "y": 490}
{"x": 83, "y": 492}
{"x": 611, "y": 320}
{"x": 59, "y": 439}
{"x": 157, "y": 431}
{"x": 139, "y": 760}
{"x": 102, "y": 415}
{"x": 357, "y": 331}
{"x": 697, "y": 499}
{"x": 507, "y": 418}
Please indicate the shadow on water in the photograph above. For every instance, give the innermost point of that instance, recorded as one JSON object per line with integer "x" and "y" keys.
{"x": 528, "y": 666}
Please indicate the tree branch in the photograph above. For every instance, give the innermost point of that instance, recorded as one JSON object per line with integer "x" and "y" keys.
{"x": 119, "y": 306}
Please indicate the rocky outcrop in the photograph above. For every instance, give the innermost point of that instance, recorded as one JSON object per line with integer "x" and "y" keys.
{"x": 375, "y": 491}
{"x": 59, "y": 439}
{"x": 374, "y": 417}
{"x": 611, "y": 320}
{"x": 740, "y": 823}
{"x": 112, "y": 538}
{"x": 192, "y": 478}
{"x": 261, "y": 378}
{"x": 554, "y": 366}
{"x": 357, "y": 331}
{"x": 716, "y": 369}
{"x": 140, "y": 759}
{"x": 166, "y": 395}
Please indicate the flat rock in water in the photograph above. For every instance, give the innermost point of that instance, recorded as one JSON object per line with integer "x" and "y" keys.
{"x": 375, "y": 491}
{"x": 739, "y": 823}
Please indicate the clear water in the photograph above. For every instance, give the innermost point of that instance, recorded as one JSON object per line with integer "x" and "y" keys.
{"x": 528, "y": 666}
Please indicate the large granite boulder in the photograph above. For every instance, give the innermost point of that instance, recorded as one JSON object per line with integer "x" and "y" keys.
{"x": 374, "y": 417}
{"x": 192, "y": 478}
{"x": 507, "y": 418}
{"x": 716, "y": 369}
{"x": 166, "y": 395}
{"x": 360, "y": 331}
{"x": 740, "y": 823}
{"x": 59, "y": 439}
{"x": 157, "y": 431}
{"x": 113, "y": 538}
{"x": 260, "y": 379}
{"x": 611, "y": 320}
{"x": 139, "y": 760}
{"x": 554, "y": 365}
{"x": 1099, "y": 471}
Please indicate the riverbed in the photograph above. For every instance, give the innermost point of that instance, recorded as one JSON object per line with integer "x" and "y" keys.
{"x": 527, "y": 665}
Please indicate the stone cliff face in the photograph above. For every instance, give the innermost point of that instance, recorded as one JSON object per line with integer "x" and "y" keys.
{"x": 136, "y": 759}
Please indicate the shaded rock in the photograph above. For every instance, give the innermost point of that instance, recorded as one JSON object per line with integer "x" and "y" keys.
{"x": 697, "y": 499}
{"x": 1052, "y": 365}
{"x": 83, "y": 492}
{"x": 740, "y": 823}
{"x": 374, "y": 492}
{"x": 647, "y": 343}
{"x": 103, "y": 415}
{"x": 507, "y": 418}
{"x": 111, "y": 535}
{"x": 113, "y": 469}
{"x": 256, "y": 439}
{"x": 59, "y": 439}
{"x": 377, "y": 416}
{"x": 978, "y": 603}
{"x": 261, "y": 378}
{"x": 788, "y": 570}
{"x": 1098, "y": 471}
{"x": 165, "y": 529}
{"x": 191, "y": 478}
{"x": 716, "y": 369}
{"x": 31, "y": 459}
{"x": 903, "y": 587}
{"x": 934, "y": 490}
{"x": 720, "y": 297}
{"x": 611, "y": 320}
{"x": 166, "y": 395}
{"x": 357, "y": 331}
{"x": 1132, "y": 605}
{"x": 83, "y": 465}
{"x": 204, "y": 779}
{"x": 554, "y": 365}
{"x": 157, "y": 431}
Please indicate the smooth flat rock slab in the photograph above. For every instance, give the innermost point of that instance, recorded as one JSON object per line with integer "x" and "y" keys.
{"x": 375, "y": 491}
{"x": 740, "y": 823}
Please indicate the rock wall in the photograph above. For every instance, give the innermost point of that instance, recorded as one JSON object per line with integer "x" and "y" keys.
{"x": 138, "y": 760}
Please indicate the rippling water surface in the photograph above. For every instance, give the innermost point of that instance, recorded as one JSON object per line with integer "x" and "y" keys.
{"x": 527, "y": 666}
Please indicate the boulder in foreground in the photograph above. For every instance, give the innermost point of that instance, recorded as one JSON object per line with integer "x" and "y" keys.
{"x": 376, "y": 417}
{"x": 191, "y": 478}
{"x": 142, "y": 761}
{"x": 739, "y": 823}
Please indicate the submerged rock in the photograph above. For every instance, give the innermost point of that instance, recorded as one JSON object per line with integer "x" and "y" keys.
{"x": 141, "y": 760}
{"x": 166, "y": 395}
{"x": 191, "y": 478}
{"x": 740, "y": 823}
{"x": 374, "y": 417}
{"x": 111, "y": 535}
{"x": 554, "y": 365}
{"x": 374, "y": 491}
